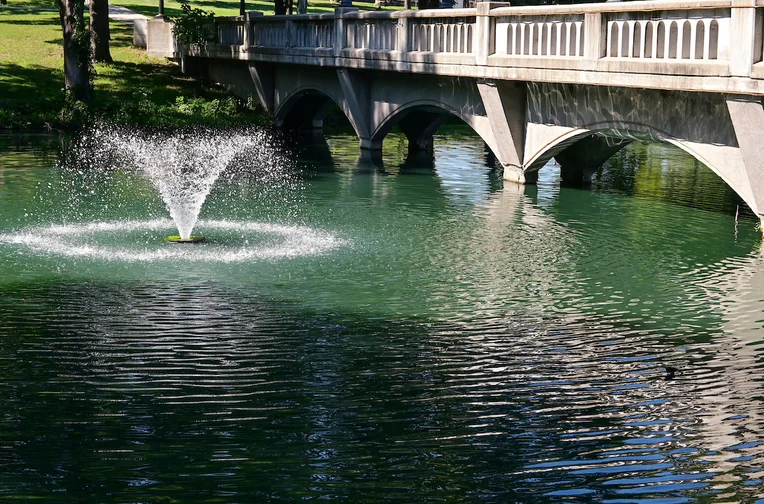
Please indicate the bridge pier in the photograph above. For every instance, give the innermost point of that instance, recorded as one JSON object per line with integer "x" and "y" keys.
{"x": 518, "y": 175}
{"x": 370, "y": 144}
{"x": 420, "y": 128}
{"x": 369, "y": 159}
{"x": 747, "y": 117}
{"x": 505, "y": 108}
{"x": 579, "y": 161}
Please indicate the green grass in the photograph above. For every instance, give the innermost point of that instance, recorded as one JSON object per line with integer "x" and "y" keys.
{"x": 231, "y": 8}
{"x": 220, "y": 8}
{"x": 135, "y": 89}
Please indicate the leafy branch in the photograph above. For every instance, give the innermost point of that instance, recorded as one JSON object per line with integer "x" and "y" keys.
{"x": 193, "y": 26}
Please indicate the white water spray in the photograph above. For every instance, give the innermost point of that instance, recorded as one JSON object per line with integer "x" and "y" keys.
{"x": 184, "y": 167}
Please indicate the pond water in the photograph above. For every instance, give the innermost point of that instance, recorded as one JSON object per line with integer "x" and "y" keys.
{"x": 396, "y": 332}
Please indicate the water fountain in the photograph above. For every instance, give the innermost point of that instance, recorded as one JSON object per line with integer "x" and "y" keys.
{"x": 183, "y": 167}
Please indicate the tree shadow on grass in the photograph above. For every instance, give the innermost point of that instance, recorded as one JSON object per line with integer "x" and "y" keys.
{"x": 58, "y": 42}
{"x": 32, "y": 4}
{"x": 21, "y": 85}
{"x": 47, "y": 21}
{"x": 29, "y": 95}
{"x": 121, "y": 35}
{"x": 128, "y": 76}
{"x": 150, "y": 10}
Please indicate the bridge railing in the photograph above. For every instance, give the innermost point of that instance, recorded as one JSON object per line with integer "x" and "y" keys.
{"x": 371, "y": 33}
{"x": 232, "y": 31}
{"x": 539, "y": 35}
{"x": 436, "y": 36}
{"x": 311, "y": 33}
{"x": 702, "y": 37}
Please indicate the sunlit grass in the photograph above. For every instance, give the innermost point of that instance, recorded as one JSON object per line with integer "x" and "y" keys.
{"x": 231, "y": 8}
{"x": 134, "y": 89}
{"x": 220, "y": 8}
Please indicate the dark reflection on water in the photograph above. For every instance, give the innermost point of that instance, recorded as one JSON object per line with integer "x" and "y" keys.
{"x": 106, "y": 391}
{"x": 667, "y": 173}
{"x": 475, "y": 343}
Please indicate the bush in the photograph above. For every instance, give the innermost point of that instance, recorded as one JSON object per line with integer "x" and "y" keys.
{"x": 193, "y": 26}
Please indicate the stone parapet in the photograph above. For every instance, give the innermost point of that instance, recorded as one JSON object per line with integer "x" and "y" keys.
{"x": 662, "y": 45}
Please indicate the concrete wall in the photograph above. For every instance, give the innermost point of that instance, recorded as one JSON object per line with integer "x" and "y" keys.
{"x": 160, "y": 41}
{"x": 140, "y": 33}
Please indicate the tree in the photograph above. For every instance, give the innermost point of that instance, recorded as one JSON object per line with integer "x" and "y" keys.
{"x": 77, "y": 68}
{"x": 193, "y": 26}
{"x": 428, "y": 4}
{"x": 99, "y": 30}
{"x": 280, "y": 7}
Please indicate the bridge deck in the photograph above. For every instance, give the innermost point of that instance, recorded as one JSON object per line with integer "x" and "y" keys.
{"x": 710, "y": 45}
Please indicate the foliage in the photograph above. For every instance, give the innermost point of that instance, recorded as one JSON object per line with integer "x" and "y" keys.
{"x": 428, "y": 4}
{"x": 134, "y": 90}
{"x": 193, "y": 26}
{"x": 74, "y": 111}
{"x": 231, "y": 8}
{"x": 143, "y": 110}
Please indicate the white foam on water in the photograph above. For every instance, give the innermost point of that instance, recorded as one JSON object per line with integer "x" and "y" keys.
{"x": 76, "y": 241}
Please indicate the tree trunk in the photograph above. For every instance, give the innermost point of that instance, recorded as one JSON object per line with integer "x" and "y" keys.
{"x": 76, "y": 48}
{"x": 99, "y": 30}
{"x": 280, "y": 7}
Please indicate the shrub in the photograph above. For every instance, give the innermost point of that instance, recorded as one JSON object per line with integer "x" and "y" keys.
{"x": 193, "y": 26}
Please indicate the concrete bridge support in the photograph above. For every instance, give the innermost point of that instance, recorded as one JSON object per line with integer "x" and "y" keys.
{"x": 747, "y": 117}
{"x": 419, "y": 128}
{"x": 524, "y": 124}
{"x": 579, "y": 161}
{"x": 721, "y": 132}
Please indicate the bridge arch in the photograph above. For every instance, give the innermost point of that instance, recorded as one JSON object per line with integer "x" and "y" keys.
{"x": 306, "y": 107}
{"x": 723, "y": 160}
{"x": 420, "y": 119}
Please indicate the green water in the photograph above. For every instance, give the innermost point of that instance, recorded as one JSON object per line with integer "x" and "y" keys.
{"x": 458, "y": 339}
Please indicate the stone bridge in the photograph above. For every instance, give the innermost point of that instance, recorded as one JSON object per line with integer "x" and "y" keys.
{"x": 572, "y": 82}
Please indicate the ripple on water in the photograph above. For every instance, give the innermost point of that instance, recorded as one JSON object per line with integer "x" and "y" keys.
{"x": 537, "y": 375}
{"x": 200, "y": 381}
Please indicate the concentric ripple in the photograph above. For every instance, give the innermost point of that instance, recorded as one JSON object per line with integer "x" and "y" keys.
{"x": 138, "y": 241}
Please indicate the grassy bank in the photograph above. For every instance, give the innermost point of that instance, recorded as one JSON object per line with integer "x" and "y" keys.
{"x": 231, "y": 7}
{"x": 135, "y": 89}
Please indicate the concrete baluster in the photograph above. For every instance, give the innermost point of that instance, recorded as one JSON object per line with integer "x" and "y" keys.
{"x": 402, "y": 38}
{"x": 249, "y": 27}
{"x": 595, "y": 38}
{"x": 290, "y": 34}
{"x": 340, "y": 40}
{"x": 484, "y": 37}
{"x": 744, "y": 37}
